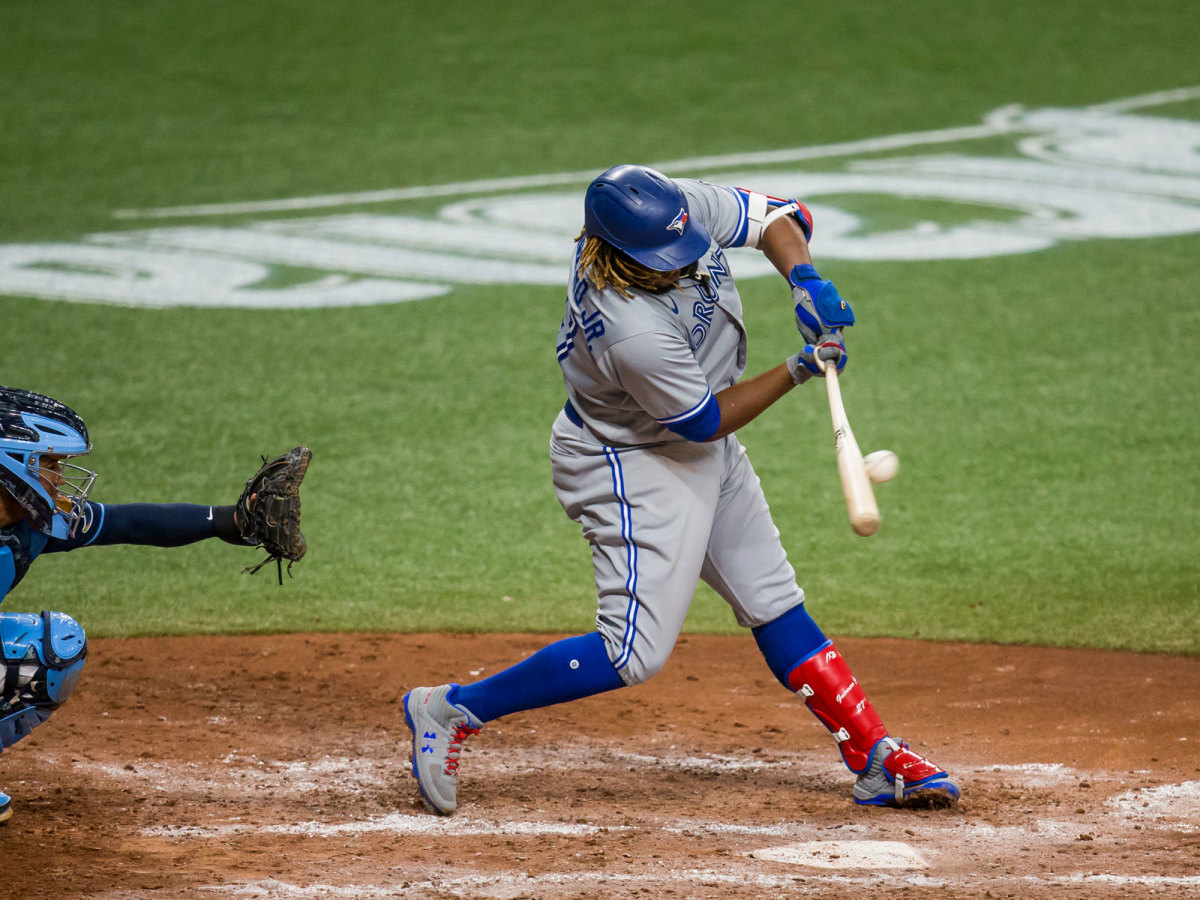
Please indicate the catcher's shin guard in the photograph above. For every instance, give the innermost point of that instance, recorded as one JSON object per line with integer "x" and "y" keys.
{"x": 835, "y": 697}
{"x": 41, "y": 659}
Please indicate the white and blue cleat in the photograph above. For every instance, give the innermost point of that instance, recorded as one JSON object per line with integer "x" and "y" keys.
{"x": 438, "y": 729}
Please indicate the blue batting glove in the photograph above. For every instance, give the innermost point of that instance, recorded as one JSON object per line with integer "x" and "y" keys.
{"x": 820, "y": 309}
{"x": 803, "y": 365}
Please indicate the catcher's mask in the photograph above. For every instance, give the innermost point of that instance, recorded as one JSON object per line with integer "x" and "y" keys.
{"x": 37, "y": 436}
{"x": 644, "y": 214}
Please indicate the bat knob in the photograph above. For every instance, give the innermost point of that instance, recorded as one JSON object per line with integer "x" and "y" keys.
{"x": 823, "y": 364}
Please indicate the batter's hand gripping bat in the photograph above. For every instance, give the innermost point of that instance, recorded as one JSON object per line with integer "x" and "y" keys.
{"x": 860, "y": 497}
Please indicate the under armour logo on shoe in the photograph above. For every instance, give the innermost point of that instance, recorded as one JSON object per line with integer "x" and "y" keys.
{"x": 429, "y": 736}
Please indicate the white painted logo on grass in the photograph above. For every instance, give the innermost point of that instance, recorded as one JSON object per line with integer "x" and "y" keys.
{"x": 1078, "y": 174}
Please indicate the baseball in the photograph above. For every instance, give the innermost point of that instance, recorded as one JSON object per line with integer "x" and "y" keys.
{"x": 882, "y": 465}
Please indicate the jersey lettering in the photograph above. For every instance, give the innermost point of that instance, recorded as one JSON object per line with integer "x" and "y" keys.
{"x": 706, "y": 286}
{"x": 703, "y": 313}
{"x": 717, "y": 269}
{"x": 593, "y": 327}
{"x": 579, "y": 291}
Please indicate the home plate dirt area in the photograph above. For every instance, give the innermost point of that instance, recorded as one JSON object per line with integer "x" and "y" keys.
{"x": 277, "y": 767}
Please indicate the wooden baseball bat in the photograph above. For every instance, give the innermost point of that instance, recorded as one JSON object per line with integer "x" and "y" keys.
{"x": 860, "y": 497}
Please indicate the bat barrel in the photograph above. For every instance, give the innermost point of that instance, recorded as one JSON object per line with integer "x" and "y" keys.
{"x": 856, "y": 485}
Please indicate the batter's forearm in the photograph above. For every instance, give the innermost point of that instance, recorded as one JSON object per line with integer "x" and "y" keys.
{"x": 746, "y": 400}
{"x": 784, "y": 245}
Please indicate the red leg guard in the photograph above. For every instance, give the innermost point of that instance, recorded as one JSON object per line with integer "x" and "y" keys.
{"x": 835, "y": 697}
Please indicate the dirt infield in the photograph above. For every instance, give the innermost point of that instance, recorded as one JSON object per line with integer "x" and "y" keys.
{"x": 276, "y": 767}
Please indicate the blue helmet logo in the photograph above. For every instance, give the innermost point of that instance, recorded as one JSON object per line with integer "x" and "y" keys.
{"x": 679, "y": 222}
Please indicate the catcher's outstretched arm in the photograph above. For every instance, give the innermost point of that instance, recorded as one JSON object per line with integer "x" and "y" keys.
{"x": 149, "y": 524}
{"x": 267, "y": 515}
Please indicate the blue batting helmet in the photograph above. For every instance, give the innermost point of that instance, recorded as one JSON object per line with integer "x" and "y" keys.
{"x": 32, "y": 426}
{"x": 644, "y": 214}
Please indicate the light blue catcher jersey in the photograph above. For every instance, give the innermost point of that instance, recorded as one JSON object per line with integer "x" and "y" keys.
{"x": 639, "y": 369}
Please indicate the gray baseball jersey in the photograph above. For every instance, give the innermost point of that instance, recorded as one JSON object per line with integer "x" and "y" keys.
{"x": 659, "y": 510}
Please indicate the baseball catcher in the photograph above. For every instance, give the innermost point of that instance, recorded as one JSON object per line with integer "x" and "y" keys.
{"x": 44, "y": 508}
{"x": 645, "y": 459}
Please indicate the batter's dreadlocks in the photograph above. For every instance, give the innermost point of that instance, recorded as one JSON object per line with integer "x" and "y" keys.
{"x": 605, "y": 266}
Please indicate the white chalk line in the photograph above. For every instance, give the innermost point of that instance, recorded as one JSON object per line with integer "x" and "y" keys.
{"x": 465, "y": 824}
{"x": 518, "y": 884}
{"x": 239, "y": 775}
{"x": 804, "y": 763}
{"x": 1040, "y": 774}
{"x": 872, "y": 855}
{"x": 514, "y": 884}
{"x": 1164, "y": 807}
{"x": 383, "y": 767}
{"x": 236, "y": 775}
{"x": 392, "y": 823}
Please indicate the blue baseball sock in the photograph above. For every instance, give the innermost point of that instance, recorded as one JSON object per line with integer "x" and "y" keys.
{"x": 569, "y": 669}
{"x": 788, "y": 641}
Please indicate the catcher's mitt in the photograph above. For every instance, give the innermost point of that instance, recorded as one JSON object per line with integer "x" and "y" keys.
{"x": 268, "y": 512}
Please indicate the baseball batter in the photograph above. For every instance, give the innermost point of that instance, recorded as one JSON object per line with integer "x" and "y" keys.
{"x": 44, "y": 508}
{"x": 644, "y": 458}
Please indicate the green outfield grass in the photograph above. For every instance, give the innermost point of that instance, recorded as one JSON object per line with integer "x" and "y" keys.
{"x": 1044, "y": 406}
